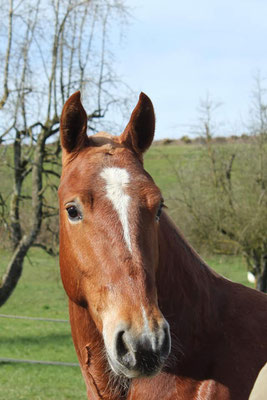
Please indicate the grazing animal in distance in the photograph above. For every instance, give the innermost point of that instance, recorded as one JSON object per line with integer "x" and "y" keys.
{"x": 149, "y": 319}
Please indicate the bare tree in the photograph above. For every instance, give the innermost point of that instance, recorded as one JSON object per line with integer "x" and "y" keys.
{"x": 223, "y": 191}
{"x": 51, "y": 49}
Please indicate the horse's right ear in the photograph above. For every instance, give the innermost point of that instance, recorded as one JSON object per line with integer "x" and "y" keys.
{"x": 73, "y": 125}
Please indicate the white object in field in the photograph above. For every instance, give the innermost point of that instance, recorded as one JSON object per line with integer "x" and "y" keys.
{"x": 259, "y": 391}
{"x": 251, "y": 277}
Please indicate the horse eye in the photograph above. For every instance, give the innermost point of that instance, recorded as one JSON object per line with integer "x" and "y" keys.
{"x": 73, "y": 213}
{"x": 159, "y": 211}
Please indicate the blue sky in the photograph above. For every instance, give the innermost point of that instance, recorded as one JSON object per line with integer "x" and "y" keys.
{"x": 177, "y": 52}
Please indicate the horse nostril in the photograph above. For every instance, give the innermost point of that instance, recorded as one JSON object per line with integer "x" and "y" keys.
{"x": 125, "y": 356}
{"x": 120, "y": 344}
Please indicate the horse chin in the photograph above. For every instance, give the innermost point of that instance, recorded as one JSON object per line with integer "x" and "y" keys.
{"x": 122, "y": 371}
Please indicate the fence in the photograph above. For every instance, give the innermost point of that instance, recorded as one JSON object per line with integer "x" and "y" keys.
{"x": 14, "y": 360}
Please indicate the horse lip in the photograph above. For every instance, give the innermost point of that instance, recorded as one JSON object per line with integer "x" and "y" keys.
{"x": 121, "y": 370}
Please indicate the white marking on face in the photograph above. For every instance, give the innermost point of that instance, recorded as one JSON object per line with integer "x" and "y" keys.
{"x": 147, "y": 332}
{"x": 116, "y": 181}
{"x": 146, "y": 324}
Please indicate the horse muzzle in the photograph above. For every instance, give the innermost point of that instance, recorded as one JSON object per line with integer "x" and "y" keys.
{"x": 139, "y": 355}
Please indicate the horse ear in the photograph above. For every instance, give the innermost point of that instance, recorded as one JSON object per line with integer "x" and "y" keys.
{"x": 139, "y": 132}
{"x": 73, "y": 124}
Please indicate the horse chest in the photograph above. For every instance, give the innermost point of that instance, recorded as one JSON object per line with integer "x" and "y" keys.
{"x": 170, "y": 387}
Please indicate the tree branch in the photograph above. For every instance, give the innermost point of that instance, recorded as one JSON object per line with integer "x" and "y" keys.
{"x": 7, "y": 60}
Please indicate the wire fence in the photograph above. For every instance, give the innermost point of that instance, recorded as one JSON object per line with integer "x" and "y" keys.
{"x": 33, "y": 318}
{"x": 4, "y": 360}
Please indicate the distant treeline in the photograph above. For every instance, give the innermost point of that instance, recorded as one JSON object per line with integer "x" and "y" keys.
{"x": 185, "y": 139}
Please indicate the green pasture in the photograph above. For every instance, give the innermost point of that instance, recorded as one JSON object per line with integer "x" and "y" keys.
{"x": 164, "y": 161}
{"x": 40, "y": 294}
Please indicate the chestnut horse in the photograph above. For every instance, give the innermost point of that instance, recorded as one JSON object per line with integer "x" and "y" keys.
{"x": 150, "y": 320}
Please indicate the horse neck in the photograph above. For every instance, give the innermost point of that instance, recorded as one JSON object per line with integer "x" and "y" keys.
{"x": 188, "y": 291}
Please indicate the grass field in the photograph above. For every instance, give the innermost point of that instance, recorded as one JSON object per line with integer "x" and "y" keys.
{"x": 40, "y": 294}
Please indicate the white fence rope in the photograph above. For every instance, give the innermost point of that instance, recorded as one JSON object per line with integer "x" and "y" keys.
{"x": 14, "y": 360}
{"x": 33, "y": 318}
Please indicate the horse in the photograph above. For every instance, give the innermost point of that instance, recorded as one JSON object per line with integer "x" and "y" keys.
{"x": 149, "y": 319}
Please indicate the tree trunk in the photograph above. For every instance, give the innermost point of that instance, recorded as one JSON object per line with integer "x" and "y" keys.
{"x": 261, "y": 279}
{"x": 15, "y": 226}
{"x": 14, "y": 269}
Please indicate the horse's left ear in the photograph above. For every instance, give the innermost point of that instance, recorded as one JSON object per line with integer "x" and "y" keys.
{"x": 139, "y": 132}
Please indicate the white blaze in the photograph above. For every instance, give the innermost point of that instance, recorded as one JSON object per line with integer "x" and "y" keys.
{"x": 146, "y": 323}
{"x": 116, "y": 181}
{"x": 147, "y": 332}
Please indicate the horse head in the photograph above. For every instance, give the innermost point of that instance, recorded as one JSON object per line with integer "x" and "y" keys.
{"x": 109, "y": 255}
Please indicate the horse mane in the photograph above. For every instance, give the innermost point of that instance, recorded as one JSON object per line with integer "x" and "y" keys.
{"x": 187, "y": 291}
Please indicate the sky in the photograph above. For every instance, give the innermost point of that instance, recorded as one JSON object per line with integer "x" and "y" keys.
{"x": 178, "y": 52}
